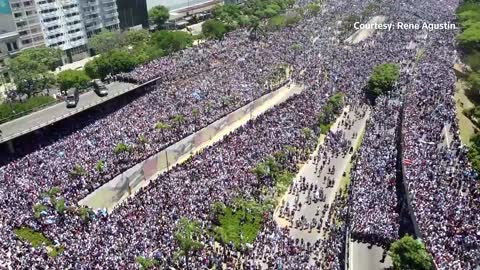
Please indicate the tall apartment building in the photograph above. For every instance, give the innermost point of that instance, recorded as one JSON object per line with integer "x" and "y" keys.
{"x": 63, "y": 24}
{"x": 98, "y": 14}
{"x": 62, "y": 27}
{"x": 9, "y": 39}
{"x": 27, "y": 23}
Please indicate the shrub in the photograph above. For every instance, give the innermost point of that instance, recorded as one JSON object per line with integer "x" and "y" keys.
{"x": 12, "y": 110}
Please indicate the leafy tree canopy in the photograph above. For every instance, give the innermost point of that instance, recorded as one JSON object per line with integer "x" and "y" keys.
{"x": 172, "y": 41}
{"x": 105, "y": 41}
{"x": 114, "y": 62}
{"x": 383, "y": 79}
{"x": 135, "y": 37}
{"x": 158, "y": 15}
{"x": 408, "y": 253}
{"x": 31, "y": 69}
{"x": 72, "y": 79}
{"x": 215, "y": 29}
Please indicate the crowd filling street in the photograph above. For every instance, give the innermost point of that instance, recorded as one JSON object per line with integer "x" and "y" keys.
{"x": 373, "y": 192}
{"x": 202, "y": 84}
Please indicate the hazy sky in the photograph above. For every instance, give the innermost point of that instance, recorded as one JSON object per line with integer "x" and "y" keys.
{"x": 173, "y": 4}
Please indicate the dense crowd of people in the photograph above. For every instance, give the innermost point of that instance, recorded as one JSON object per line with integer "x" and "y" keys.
{"x": 443, "y": 187}
{"x": 201, "y": 84}
{"x": 373, "y": 196}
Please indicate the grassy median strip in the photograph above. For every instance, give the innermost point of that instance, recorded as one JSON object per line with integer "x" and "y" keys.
{"x": 37, "y": 239}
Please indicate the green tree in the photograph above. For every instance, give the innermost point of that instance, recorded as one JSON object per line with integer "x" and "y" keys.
{"x": 31, "y": 70}
{"x": 158, "y": 15}
{"x": 113, "y": 62}
{"x": 135, "y": 38}
{"x": 146, "y": 263}
{"x": 78, "y": 170}
{"x": 307, "y": 133}
{"x": 121, "y": 148}
{"x": 178, "y": 119}
{"x": 84, "y": 213}
{"x": 473, "y": 86}
{"x": 313, "y": 8}
{"x": 72, "y": 79}
{"x": 213, "y": 29}
{"x": 408, "y": 253}
{"x": 474, "y": 152}
{"x": 383, "y": 79}
{"x": 187, "y": 235}
{"x": 162, "y": 127}
{"x": 172, "y": 41}
{"x": 105, "y": 41}
{"x": 100, "y": 166}
{"x": 469, "y": 16}
{"x": 276, "y": 23}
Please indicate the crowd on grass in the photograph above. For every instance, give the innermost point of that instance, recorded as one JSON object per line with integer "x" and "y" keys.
{"x": 374, "y": 207}
{"x": 201, "y": 84}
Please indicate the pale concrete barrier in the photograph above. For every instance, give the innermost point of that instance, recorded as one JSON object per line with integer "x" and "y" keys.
{"x": 128, "y": 183}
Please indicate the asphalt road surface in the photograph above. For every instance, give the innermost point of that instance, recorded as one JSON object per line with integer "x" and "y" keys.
{"x": 36, "y": 120}
{"x": 308, "y": 171}
{"x": 364, "y": 258}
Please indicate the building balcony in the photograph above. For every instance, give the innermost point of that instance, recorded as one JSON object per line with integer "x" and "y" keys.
{"x": 111, "y": 22}
{"x": 73, "y": 18}
{"x": 90, "y": 12}
{"x": 110, "y": 15}
{"x": 90, "y": 4}
{"x": 109, "y": 8}
{"x": 93, "y": 27}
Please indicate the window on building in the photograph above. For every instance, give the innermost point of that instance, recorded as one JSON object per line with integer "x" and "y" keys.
{"x": 23, "y": 33}
{"x": 51, "y": 28}
{"x": 30, "y": 12}
{"x": 27, "y": 3}
{"x": 37, "y": 39}
{"x": 21, "y": 24}
{"x": 50, "y": 19}
{"x": 17, "y": 14}
{"x": 16, "y": 5}
{"x": 12, "y": 46}
{"x": 26, "y": 41}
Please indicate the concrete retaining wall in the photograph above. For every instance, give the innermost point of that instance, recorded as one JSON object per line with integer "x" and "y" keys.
{"x": 128, "y": 183}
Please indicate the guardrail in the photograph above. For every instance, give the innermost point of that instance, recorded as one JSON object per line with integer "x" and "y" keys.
{"x": 27, "y": 112}
{"x": 74, "y": 111}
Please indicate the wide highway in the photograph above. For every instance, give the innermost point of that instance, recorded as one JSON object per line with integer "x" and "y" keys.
{"x": 52, "y": 114}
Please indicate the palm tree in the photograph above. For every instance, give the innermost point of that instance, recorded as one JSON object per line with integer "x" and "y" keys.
{"x": 178, "y": 118}
{"x": 195, "y": 114}
{"x": 187, "y": 234}
{"x": 307, "y": 132}
{"x": 162, "y": 127}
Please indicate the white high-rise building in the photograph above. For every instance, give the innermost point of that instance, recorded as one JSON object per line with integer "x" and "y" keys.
{"x": 27, "y": 23}
{"x": 63, "y": 24}
{"x": 98, "y": 14}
